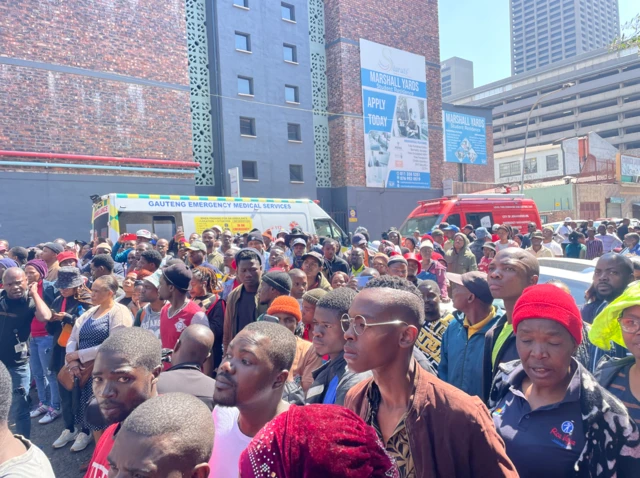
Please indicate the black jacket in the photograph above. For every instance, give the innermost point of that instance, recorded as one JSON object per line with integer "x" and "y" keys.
{"x": 337, "y": 265}
{"x": 74, "y": 309}
{"x": 323, "y": 376}
{"x": 188, "y": 378}
{"x": 609, "y": 367}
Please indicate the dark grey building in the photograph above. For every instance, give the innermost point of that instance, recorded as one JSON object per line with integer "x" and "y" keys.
{"x": 549, "y": 31}
{"x": 260, "y": 90}
{"x": 456, "y": 75}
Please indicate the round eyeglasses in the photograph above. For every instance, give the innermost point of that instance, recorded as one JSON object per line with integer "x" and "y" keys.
{"x": 360, "y": 323}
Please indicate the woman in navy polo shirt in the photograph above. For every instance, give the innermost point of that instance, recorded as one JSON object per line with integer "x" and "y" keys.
{"x": 555, "y": 419}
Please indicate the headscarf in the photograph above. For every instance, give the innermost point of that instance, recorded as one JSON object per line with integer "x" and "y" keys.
{"x": 316, "y": 440}
{"x": 606, "y": 328}
{"x": 40, "y": 266}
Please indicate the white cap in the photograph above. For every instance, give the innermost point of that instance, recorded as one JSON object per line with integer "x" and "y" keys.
{"x": 567, "y": 219}
{"x": 143, "y": 233}
{"x": 426, "y": 243}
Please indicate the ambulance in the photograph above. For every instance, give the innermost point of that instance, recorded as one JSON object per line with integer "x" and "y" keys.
{"x": 479, "y": 210}
{"x": 163, "y": 215}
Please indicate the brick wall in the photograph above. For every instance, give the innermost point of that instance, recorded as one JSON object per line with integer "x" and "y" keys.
{"x": 409, "y": 26}
{"x": 100, "y": 77}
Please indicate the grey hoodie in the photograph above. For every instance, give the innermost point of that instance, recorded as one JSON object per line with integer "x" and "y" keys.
{"x": 463, "y": 261}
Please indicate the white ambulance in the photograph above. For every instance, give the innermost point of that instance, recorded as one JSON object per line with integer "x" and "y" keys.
{"x": 115, "y": 214}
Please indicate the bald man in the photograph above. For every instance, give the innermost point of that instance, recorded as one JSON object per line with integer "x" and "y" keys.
{"x": 511, "y": 271}
{"x": 192, "y": 350}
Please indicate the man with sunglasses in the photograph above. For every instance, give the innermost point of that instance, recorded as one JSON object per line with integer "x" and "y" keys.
{"x": 414, "y": 414}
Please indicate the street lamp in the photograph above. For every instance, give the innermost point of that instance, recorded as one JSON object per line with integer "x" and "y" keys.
{"x": 526, "y": 132}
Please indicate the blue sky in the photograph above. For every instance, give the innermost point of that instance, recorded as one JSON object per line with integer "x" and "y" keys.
{"x": 478, "y": 30}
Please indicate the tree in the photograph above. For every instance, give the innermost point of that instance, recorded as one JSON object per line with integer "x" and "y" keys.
{"x": 630, "y": 36}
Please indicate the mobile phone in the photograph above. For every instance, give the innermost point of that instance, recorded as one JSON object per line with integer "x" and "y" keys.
{"x": 362, "y": 281}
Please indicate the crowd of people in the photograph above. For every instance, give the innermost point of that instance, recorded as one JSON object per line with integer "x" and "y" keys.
{"x": 286, "y": 355}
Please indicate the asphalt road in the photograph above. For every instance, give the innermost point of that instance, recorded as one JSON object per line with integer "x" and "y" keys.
{"x": 65, "y": 463}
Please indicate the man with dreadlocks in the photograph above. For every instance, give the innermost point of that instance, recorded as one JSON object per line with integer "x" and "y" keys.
{"x": 204, "y": 289}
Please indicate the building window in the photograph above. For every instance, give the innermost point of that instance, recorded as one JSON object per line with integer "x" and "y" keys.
{"x": 291, "y": 94}
{"x": 509, "y": 169}
{"x": 243, "y": 41}
{"x": 250, "y": 170}
{"x": 290, "y": 53}
{"x": 295, "y": 173}
{"x": 288, "y": 12}
{"x": 247, "y": 126}
{"x": 552, "y": 163}
{"x": 245, "y": 86}
{"x": 241, "y": 3}
{"x": 530, "y": 166}
{"x": 293, "y": 130}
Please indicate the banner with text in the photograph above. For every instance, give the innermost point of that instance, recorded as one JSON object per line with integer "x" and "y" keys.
{"x": 465, "y": 138}
{"x": 396, "y": 126}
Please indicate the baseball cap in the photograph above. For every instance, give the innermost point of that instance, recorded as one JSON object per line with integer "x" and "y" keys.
{"x": 537, "y": 235}
{"x": 489, "y": 245}
{"x": 315, "y": 255}
{"x": 143, "y": 233}
{"x": 255, "y": 236}
{"x": 567, "y": 219}
{"x": 412, "y": 257}
{"x": 154, "y": 278}
{"x": 358, "y": 239}
{"x": 468, "y": 226}
{"x": 197, "y": 246}
{"x": 452, "y": 227}
{"x": 217, "y": 228}
{"x": 298, "y": 241}
{"x": 475, "y": 282}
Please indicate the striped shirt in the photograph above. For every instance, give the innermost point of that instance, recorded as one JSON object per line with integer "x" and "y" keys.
{"x": 621, "y": 389}
{"x": 594, "y": 248}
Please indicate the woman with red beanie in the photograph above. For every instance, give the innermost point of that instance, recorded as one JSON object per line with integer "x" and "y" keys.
{"x": 287, "y": 310}
{"x": 553, "y": 416}
{"x": 317, "y": 440}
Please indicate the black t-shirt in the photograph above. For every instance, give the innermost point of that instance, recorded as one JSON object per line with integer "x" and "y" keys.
{"x": 246, "y": 309}
{"x": 15, "y": 327}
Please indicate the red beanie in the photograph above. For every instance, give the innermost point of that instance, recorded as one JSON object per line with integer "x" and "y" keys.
{"x": 287, "y": 305}
{"x": 548, "y": 301}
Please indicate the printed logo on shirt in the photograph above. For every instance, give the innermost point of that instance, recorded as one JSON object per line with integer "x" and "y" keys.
{"x": 562, "y": 437}
{"x": 498, "y": 412}
{"x": 98, "y": 471}
{"x": 180, "y": 325}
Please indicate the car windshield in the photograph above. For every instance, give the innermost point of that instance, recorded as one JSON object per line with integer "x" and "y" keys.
{"x": 576, "y": 286}
{"x": 423, "y": 224}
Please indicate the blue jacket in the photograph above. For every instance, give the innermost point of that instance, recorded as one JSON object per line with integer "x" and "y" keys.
{"x": 461, "y": 358}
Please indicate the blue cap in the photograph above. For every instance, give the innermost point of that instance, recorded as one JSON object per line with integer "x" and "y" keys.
{"x": 452, "y": 227}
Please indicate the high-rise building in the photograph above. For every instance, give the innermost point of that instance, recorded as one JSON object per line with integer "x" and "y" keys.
{"x": 457, "y": 76}
{"x": 548, "y": 31}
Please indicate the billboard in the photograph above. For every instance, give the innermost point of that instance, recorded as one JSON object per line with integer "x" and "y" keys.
{"x": 465, "y": 138}
{"x": 629, "y": 169}
{"x": 396, "y": 126}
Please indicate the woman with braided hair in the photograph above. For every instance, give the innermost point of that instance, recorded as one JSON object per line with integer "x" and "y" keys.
{"x": 205, "y": 291}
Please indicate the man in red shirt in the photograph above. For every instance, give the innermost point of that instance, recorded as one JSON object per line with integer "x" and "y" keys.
{"x": 180, "y": 312}
{"x": 125, "y": 374}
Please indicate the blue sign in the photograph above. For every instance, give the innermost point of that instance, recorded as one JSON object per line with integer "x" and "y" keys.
{"x": 465, "y": 138}
{"x": 378, "y": 110}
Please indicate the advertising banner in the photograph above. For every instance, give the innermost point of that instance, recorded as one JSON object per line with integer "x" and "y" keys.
{"x": 629, "y": 169}
{"x": 465, "y": 138}
{"x": 396, "y": 126}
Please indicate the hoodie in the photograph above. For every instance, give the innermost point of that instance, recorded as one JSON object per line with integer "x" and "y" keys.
{"x": 462, "y": 261}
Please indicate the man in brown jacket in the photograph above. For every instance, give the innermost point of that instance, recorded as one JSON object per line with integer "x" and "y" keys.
{"x": 243, "y": 305}
{"x": 431, "y": 428}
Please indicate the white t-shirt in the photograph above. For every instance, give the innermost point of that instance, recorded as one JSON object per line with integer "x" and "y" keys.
{"x": 564, "y": 231}
{"x": 554, "y": 247}
{"x": 31, "y": 463}
{"x": 229, "y": 444}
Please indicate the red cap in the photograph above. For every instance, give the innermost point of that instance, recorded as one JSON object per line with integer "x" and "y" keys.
{"x": 412, "y": 257}
{"x": 436, "y": 256}
{"x": 548, "y": 301}
{"x": 66, "y": 255}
